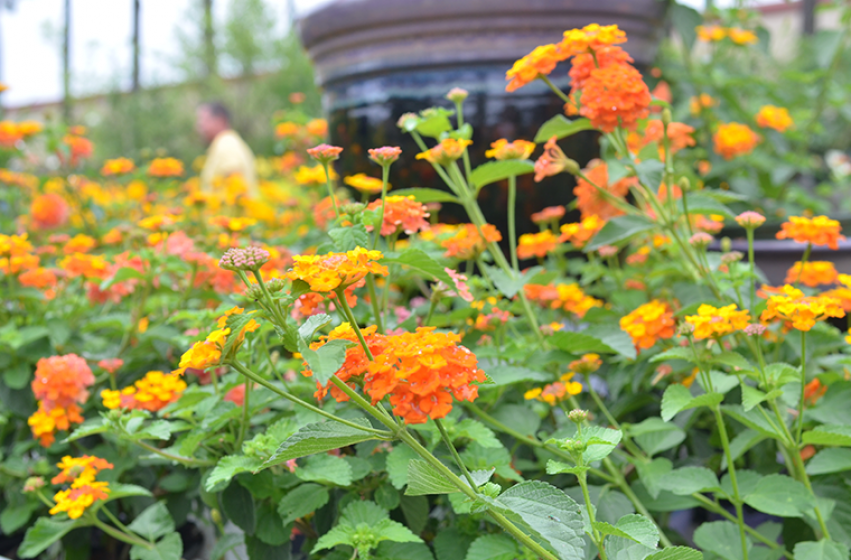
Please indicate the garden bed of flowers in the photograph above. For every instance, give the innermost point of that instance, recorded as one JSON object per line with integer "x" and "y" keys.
{"x": 319, "y": 373}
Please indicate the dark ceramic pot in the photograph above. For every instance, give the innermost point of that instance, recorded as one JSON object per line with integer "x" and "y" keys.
{"x": 378, "y": 59}
{"x": 775, "y": 257}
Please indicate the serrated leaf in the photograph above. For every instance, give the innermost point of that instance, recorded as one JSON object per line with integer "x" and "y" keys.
{"x": 326, "y": 360}
{"x": 418, "y": 260}
{"x": 318, "y": 438}
{"x": 652, "y": 474}
{"x": 639, "y": 529}
{"x": 169, "y": 548}
{"x": 676, "y": 553}
{"x": 650, "y": 173}
{"x": 493, "y": 547}
{"x": 301, "y": 501}
{"x": 831, "y": 460}
{"x": 506, "y": 374}
{"x": 689, "y": 480}
{"x": 732, "y": 359}
{"x": 423, "y": 479}
{"x": 821, "y": 550}
{"x": 230, "y": 466}
{"x": 44, "y": 533}
{"x": 349, "y": 238}
{"x": 122, "y": 274}
{"x": 326, "y": 468}
{"x": 397, "y": 465}
{"x": 830, "y": 434}
{"x": 600, "y": 442}
{"x": 507, "y": 284}
{"x": 238, "y": 505}
{"x": 701, "y": 204}
{"x": 494, "y": 171}
{"x": 583, "y": 343}
{"x": 676, "y": 353}
{"x": 619, "y": 229}
{"x": 751, "y": 397}
{"x": 434, "y": 121}
{"x": 557, "y": 467}
{"x": 118, "y": 490}
{"x": 561, "y": 127}
{"x": 226, "y": 542}
{"x": 313, "y": 323}
{"x": 678, "y": 398}
{"x": 389, "y": 530}
{"x": 428, "y": 195}
{"x": 654, "y": 435}
{"x": 780, "y": 495}
{"x": 721, "y": 538}
{"x": 88, "y": 428}
{"x": 154, "y": 522}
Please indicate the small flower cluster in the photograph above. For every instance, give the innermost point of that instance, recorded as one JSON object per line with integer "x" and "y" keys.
{"x": 153, "y": 392}
{"x": 61, "y": 384}
{"x": 799, "y": 311}
{"x": 812, "y": 273}
{"x": 466, "y": 243}
{"x": 819, "y": 230}
{"x": 711, "y": 322}
{"x": 580, "y": 233}
{"x": 734, "y": 139}
{"x": 401, "y": 213}
{"x": 716, "y": 33}
{"x": 554, "y": 393}
{"x": 249, "y": 258}
{"x": 165, "y": 167}
{"x": 420, "y": 371}
{"x": 568, "y": 297}
{"x": 335, "y": 271}
{"x": 445, "y": 152}
{"x": 648, "y": 324}
{"x": 208, "y": 352}
{"x": 118, "y": 166}
{"x": 593, "y": 191}
{"x": 536, "y": 244}
{"x": 84, "y": 490}
{"x": 774, "y": 117}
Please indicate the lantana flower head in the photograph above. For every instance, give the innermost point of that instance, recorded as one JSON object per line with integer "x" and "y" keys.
{"x": 581, "y": 232}
{"x": 553, "y": 161}
{"x": 364, "y": 183}
{"x": 770, "y": 116}
{"x": 325, "y": 153}
{"x": 718, "y": 321}
{"x": 554, "y": 393}
{"x": 247, "y": 259}
{"x": 734, "y": 139}
{"x": 447, "y": 151}
{"x": 502, "y": 149}
{"x": 592, "y": 37}
{"x": 49, "y": 211}
{"x": 750, "y": 219}
{"x": 541, "y": 61}
{"x": 76, "y": 501}
{"x": 614, "y": 96}
{"x": 401, "y": 213}
{"x": 649, "y": 323}
{"x": 457, "y": 95}
{"x": 385, "y": 155}
{"x": 118, "y": 166}
{"x": 812, "y": 273}
{"x": 62, "y": 380}
{"x": 536, "y": 244}
{"x": 819, "y": 230}
{"x": 80, "y": 470}
{"x": 589, "y": 199}
{"x": 45, "y": 423}
{"x": 314, "y": 175}
{"x": 153, "y": 392}
{"x": 165, "y": 167}
{"x": 567, "y": 297}
{"x": 333, "y": 271}
{"x": 799, "y": 311}
{"x": 467, "y": 243}
{"x": 548, "y": 214}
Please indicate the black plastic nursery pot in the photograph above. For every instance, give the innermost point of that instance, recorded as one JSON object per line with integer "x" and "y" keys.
{"x": 378, "y": 59}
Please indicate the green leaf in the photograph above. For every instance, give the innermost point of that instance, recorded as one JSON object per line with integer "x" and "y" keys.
{"x": 506, "y": 374}
{"x": 600, "y": 441}
{"x": 301, "y": 501}
{"x": 259, "y": 550}
{"x": 751, "y": 397}
{"x": 122, "y": 274}
{"x": 557, "y": 467}
{"x": 44, "y": 533}
{"x": 477, "y": 432}
{"x": 416, "y": 511}
{"x": 397, "y": 465}
{"x": 318, "y": 438}
{"x": 451, "y": 544}
{"x": 326, "y": 360}
{"x": 829, "y": 461}
{"x": 418, "y": 260}
{"x": 434, "y": 121}
{"x": 678, "y": 398}
{"x": 614, "y": 337}
{"x": 428, "y": 195}
{"x": 701, "y": 204}
{"x": 654, "y": 435}
{"x": 17, "y": 376}
{"x": 676, "y": 553}
{"x": 89, "y": 427}
{"x": 270, "y": 527}
{"x": 649, "y": 173}
{"x": 676, "y": 353}
{"x": 389, "y": 530}
{"x": 238, "y": 505}
{"x": 830, "y": 434}
{"x": 640, "y": 529}
{"x": 732, "y": 359}
{"x": 341, "y": 534}
{"x": 594, "y": 341}
{"x": 15, "y": 516}
{"x": 508, "y": 284}
{"x": 313, "y": 323}
{"x": 154, "y": 522}
{"x": 689, "y": 480}
{"x": 349, "y": 238}
{"x": 780, "y": 495}
{"x": 549, "y": 515}
{"x": 423, "y": 479}
{"x": 494, "y": 171}
{"x": 326, "y": 468}
{"x": 169, "y": 548}
{"x": 561, "y": 127}
{"x": 230, "y": 466}
{"x": 685, "y": 19}
{"x": 721, "y": 538}
{"x": 821, "y": 550}
{"x": 493, "y": 547}
{"x": 226, "y": 542}
{"x": 652, "y": 474}
{"x": 619, "y": 229}
{"x": 118, "y": 490}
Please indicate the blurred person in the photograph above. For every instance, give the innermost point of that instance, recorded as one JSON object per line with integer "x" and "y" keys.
{"x": 228, "y": 154}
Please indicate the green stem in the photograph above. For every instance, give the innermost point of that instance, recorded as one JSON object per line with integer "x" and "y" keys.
{"x": 243, "y": 429}
{"x": 804, "y": 260}
{"x": 330, "y": 188}
{"x": 715, "y": 508}
{"x": 373, "y": 299}
{"x": 431, "y": 309}
{"x": 731, "y": 468}
{"x": 801, "y": 403}
{"x": 459, "y": 107}
{"x": 555, "y": 89}
{"x": 582, "y": 477}
{"x": 752, "y": 265}
{"x": 188, "y": 461}
{"x": 347, "y": 311}
{"x": 600, "y": 404}
{"x": 385, "y": 173}
{"x": 120, "y": 535}
{"x": 273, "y": 305}
{"x": 512, "y": 231}
{"x": 295, "y": 400}
{"x": 455, "y": 455}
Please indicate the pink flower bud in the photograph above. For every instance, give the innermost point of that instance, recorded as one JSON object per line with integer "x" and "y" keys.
{"x": 325, "y": 153}
{"x": 750, "y": 219}
{"x": 385, "y": 155}
{"x": 701, "y": 239}
{"x": 249, "y": 258}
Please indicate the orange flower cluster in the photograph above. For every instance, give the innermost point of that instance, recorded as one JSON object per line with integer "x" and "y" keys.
{"x": 568, "y": 297}
{"x": 118, "y": 166}
{"x": 205, "y": 353}
{"x": 589, "y": 199}
{"x": 401, "y": 213}
{"x": 698, "y": 103}
{"x": 716, "y": 33}
{"x": 718, "y": 321}
{"x": 84, "y": 490}
{"x": 87, "y": 266}
{"x": 80, "y": 243}
{"x": 502, "y": 149}
{"x": 820, "y": 230}
{"x": 734, "y": 139}
{"x": 447, "y": 151}
{"x": 61, "y": 384}
{"x": 842, "y": 292}
{"x": 11, "y": 132}
{"x": 314, "y": 175}
{"x": 16, "y": 254}
{"x": 554, "y": 393}
{"x": 48, "y": 211}
{"x": 153, "y": 392}
{"x": 679, "y": 135}
{"x": 613, "y": 96}
{"x": 42, "y": 278}
{"x": 488, "y": 319}
{"x": 813, "y": 391}
{"x": 648, "y": 324}
{"x": 812, "y": 273}
{"x": 78, "y": 147}
{"x": 165, "y": 167}
{"x": 777, "y": 118}
{"x": 548, "y": 214}
{"x": 540, "y": 61}
{"x": 799, "y": 311}
{"x": 536, "y": 244}
{"x": 333, "y": 271}
{"x": 467, "y": 243}
{"x": 23, "y": 180}
{"x": 580, "y": 233}
{"x": 420, "y": 371}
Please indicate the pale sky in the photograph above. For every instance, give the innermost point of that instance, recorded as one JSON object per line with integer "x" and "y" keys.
{"x": 30, "y": 62}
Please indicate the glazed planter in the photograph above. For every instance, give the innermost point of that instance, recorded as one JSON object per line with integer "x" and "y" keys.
{"x": 378, "y": 59}
{"x": 775, "y": 257}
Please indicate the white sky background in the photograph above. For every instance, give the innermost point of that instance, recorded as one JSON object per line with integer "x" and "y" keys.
{"x": 30, "y": 35}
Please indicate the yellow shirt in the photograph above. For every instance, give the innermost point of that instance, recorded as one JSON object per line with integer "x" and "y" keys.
{"x": 228, "y": 154}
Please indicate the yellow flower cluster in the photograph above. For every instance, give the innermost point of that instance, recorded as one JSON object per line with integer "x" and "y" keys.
{"x": 715, "y": 33}
{"x": 446, "y": 152}
{"x": 207, "y": 353}
{"x": 718, "y": 321}
{"x": 801, "y": 311}
{"x": 332, "y": 271}
{"x": 153, "y": 392}
{"x": 648, "y": 323}
{"x": 554, "y": 393}
{"x": 84, "y": 490}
